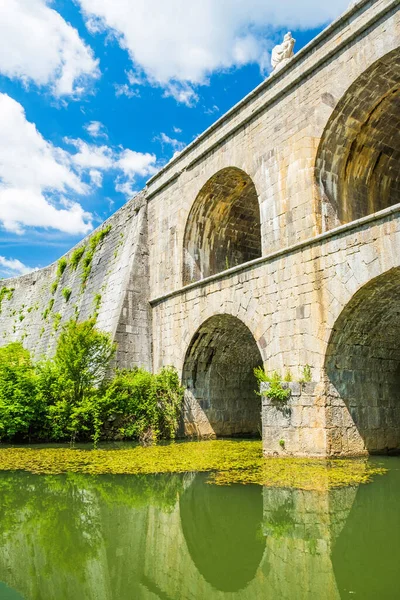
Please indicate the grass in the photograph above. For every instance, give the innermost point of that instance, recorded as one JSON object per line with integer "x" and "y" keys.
{"x": 227, "y": 461}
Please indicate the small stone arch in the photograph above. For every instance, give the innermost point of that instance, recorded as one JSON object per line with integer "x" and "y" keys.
{"x": 218, "y": 374}
{"x": 357, "y": 165}
{"x": 362, "y": 366}
{"x": 223, "y": 228}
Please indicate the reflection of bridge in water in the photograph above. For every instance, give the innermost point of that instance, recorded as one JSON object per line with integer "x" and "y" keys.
{"x": 175, "y": 537}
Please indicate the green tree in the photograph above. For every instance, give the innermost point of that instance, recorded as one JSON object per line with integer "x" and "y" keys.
{"x": 19, "y": 408}
{"x": 83, "y": 357}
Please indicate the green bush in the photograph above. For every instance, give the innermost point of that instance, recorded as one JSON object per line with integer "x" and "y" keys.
{"x": 275, "y": 391}
{"x": 61, "y": 266}
{"x": 139, "y": 405}
{"x": 76, "y": 257}
{"x": 21, "y": 409}
{"x": 76, "y": 396}
{"x": 67, "y": 294}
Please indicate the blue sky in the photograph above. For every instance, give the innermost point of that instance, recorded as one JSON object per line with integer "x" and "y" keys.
{"x": 96, "y": 95}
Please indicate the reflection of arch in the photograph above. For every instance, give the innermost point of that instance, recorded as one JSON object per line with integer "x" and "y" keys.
{"x": 223, "y": 532}
{"x": 357, "y": 167}
{"x": 366, "y": 554}
{"x": 223, "y": 227}
{"x": 219, "y": 376}
{"x": 363, "y": 364}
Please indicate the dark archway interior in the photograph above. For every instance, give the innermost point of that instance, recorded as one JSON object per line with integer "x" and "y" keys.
{"x": 363, "y": 362}
{"x": 223, "y": 228}
{"x": 227, "y": 557}
{"x": 219, "y": 373}
{"x": 357, "y": 167}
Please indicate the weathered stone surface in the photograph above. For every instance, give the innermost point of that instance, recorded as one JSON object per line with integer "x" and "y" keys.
{"x": 310, "y": 270}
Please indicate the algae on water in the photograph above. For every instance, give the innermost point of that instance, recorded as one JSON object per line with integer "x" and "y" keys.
{"x": 228, "y": 462}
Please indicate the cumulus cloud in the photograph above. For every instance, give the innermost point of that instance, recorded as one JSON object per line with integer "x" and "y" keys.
{"x": 41, "y": 184}
{"x": 96, "y": 129}
{"x": 13, "y": 266}
{"x": 178, "y": 44}
{"x": 90, "y": 155}
{"x": 38, "y": 45}
{"x": 32, "y": 170}
{"x": 132, "y": 164}
{"x": 175, "y": 144}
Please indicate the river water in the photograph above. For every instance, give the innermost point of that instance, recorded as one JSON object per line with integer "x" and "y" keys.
{"x": 176, "y": 537}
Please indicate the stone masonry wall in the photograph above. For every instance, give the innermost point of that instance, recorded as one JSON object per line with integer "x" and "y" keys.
{"x": 296, "y": 426}
{"x": 116, "y": 290}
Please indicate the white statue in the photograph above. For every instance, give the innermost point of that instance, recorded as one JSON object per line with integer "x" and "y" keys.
{"x": 282, "y": 53}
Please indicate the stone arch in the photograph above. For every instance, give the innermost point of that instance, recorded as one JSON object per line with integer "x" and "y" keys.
{"x": 357, "y": 165}
{"x": 223, "y": 228}
{"x": 218, "y": 374}
{"x": 363, "y": 369}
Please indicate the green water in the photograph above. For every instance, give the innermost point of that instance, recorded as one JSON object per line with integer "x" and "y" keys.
{"x": 175, "y": 537}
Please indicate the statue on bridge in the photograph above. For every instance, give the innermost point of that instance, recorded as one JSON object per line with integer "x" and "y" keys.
{"x": 282, "y": 53}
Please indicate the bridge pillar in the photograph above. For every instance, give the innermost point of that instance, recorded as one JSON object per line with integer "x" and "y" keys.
{"x": 296, "y": 427}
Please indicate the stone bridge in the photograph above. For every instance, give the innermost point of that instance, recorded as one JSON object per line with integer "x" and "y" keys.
{"x": 273, "y": 239}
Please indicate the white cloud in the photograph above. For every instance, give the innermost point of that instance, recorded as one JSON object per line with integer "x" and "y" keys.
{"x": 13, "y": 266}
{"x": 31, "y": 172}
{"x": 123, "y": 89}
{"x": 37, "y": 45}
{"x": 177, "y": 42}
{"x": 96, "y": 177}
{"x": 41, "y": 184}
{"x": 133, "y": 164}
{"x": 182, "y": 93}
{"x": 137, "y": 163}
{"x": 212, "y": 110}
{"x": 96, "y": 129}
{"x": 126, "y": 188}
{"x": 90, "y": 155}
{"x": 175, "y": 144}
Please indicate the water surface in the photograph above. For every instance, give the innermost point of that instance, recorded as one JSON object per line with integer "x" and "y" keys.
{"x": 125, "y": 537}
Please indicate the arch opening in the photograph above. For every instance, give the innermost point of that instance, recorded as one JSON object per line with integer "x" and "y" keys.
{"x": 357, "y": 166}
{"x": 223, "y": 228}
{"x": 219, "y": 378}
{"x": 363, "y": 366}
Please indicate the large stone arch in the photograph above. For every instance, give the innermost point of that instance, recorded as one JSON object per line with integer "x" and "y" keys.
{"x": 357, "y": 165}
{"x": 223, "y": 227}
{"x": 362, "y": 366}
{"x": 218, "y": 374}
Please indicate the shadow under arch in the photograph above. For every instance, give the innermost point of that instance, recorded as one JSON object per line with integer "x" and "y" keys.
{"x": 218, "y": 375}
{"x": 227, "y": 556}
{"x": 363, "y": 367}
{"x": 357, "y": 166}
{"x": 223, "y": 227}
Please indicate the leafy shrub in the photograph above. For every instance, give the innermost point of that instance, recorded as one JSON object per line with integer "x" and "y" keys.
{"x": 140, "y": 405}
{"x": 306, "y": 374}
{"x": 83, "y": 356}
{"x": 275, "y": 390}
{"x": 67, "y": 294}
{"x": 73, "y": 397}
{"x": 20, "y": 408}
{"x": 61, "y": 266}
{"x": 94, "y": 241}
{"x": 54, "y": 286}
{"x": 76, "y": 257}
{"x": 5, "y": 294}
